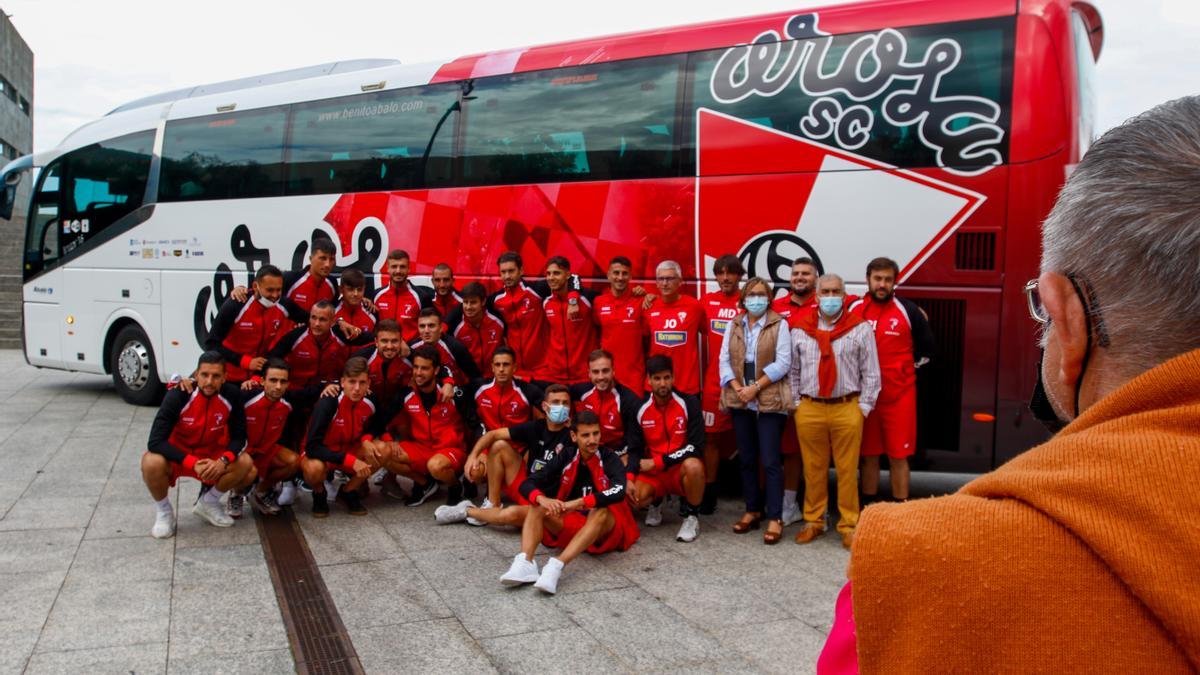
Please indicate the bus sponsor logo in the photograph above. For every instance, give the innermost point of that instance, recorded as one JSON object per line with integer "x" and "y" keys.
{"x": 846, "y": 82}
{"x": 670, "y": 338}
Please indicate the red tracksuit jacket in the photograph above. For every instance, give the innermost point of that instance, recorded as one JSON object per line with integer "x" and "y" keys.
{"x": 623, "y": 334}
{"x": 668, "y": 434}
{"x": 305, "y": 290}
{"x": 338, "y": 427}
{"x": 191, "y": 427}
{"x": 481, "y": 341}
{"x": 403, "y": 304}
{"x": 571, "y": 340}
{"x": 243, "y": 331}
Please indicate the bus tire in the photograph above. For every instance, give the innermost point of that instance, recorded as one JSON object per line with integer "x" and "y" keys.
{"x": 134, "y": 368}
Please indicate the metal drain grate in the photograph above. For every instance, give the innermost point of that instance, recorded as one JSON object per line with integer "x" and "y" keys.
{"x": 320, "y": 643}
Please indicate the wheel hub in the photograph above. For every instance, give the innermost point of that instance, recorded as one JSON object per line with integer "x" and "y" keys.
{"x": 133, "y": 365}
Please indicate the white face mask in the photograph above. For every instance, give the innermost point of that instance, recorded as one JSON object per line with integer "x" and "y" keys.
{"x": 266, "y": 303}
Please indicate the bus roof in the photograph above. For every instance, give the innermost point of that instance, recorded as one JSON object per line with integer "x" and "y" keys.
{"x": 346, "y": 78}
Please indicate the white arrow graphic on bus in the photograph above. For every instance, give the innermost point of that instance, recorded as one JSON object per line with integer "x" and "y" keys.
{"x": 793, "y": 193}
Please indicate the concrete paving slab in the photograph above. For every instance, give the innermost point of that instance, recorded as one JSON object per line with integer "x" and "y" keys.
{"x": 89, "y": 615}
{"x": 38, "y": 550}
{"x": 46, "y": 512}
{"x": 223, "y": 603}
{"x": 785, "y": 647}
{"x": 269, "y": 662}
{"x": 552, "y": 651}
{"x": 425, "y": 534}
{"x": 116, "y": 518}
{"x": 715, "y": 596}
{"x": 27, "y": 598}
{"x": 642, "y": 632}
{"x": 382, "y": 593}
{"x": 147, "y": 659}
{"x": 437, "y": 646}
{"x": 342, "y": 538}
{"x": 103, "y": 561}
{"x": 15, "y": 649}
{"x": 505, "y": 610}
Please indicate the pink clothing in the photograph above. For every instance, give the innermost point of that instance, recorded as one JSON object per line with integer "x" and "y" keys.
{"x": 840, "y": 655}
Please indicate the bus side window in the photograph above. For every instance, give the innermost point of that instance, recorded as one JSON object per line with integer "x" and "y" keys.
{"x": 374, "y": 141}
{"x": 229, "y": 156}
{"x": 607, "y": 121}
{"x": 42, "y": 228}
{"x": 103, "y": 183}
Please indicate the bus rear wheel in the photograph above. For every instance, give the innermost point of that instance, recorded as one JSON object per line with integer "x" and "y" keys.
{"x": 134, "y": 369}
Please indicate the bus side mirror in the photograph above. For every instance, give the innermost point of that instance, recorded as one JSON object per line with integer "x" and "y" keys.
{"x": 8, "y": 198}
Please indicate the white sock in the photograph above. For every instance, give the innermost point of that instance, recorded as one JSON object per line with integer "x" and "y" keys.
{"x": 163, "y": 505}
{"x": 213, "y": 496}
{"x": 789, "y": 498}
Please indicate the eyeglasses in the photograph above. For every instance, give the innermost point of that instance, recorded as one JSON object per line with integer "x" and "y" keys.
{"x": 1034, "y": 299}
{"x": 666, "y": 280}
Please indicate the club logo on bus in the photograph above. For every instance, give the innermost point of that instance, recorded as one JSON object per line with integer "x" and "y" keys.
{"x": 770, "y": 255}
{"x": 963, "y": 131}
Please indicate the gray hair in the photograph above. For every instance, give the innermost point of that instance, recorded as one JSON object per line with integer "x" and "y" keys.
{"x": 1128, "y": 222}
{"x": 669, "y": 265}
{"x": 832, "y": 277}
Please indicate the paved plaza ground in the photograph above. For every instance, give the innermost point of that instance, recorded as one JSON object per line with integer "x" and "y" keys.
{"x": 84, "y": 588}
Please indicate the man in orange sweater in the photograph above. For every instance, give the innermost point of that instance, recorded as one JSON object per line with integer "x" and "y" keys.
{"x": 1082, "y": 554}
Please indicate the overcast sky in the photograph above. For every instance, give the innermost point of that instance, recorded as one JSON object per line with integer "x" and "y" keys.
{"x": 93, "y": 56}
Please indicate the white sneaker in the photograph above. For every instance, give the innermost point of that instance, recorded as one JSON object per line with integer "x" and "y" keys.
{"x": 654, "y": 515}
{"x": 332, "y": 486}
{"x": 378, "y": 476}
{"x": 487, "y": 504}
{"x": 213, "y": 512}
{"x": 521, "y": 571}
{"x": 287, "y": 494}
{"x": 164, "y": 525}
{"x": 791, "y": 514}
{"x": 689, "y": 530}
{"x": 548, "y": 581}
{"x": 446, "y": 514}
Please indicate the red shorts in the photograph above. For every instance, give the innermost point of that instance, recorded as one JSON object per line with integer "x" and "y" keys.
{"x": 716, "y": 421}
{"x": 623, "y": 535}
{"x": 263, "y": 458}
{"x": 666, "y": 482}
{"x": 419, "y": 456}
{"x": 513, "y": 489}
{"x": 180, "y": 471}
{"x": 891, "y": 428}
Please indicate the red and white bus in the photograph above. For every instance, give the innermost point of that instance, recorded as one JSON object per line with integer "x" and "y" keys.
{"x": 936, "y": 132}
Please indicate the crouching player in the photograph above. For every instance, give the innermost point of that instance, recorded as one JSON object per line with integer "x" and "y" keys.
{"x": 198, "y": 435}
{"x": 577, "y": 503}
{"x": 340, "y": 437}
{"x": 664, "y": 449}
{"x": 434, "y": 453}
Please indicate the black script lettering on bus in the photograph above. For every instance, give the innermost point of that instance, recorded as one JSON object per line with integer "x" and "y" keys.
{"x": 369, "y": 247}
{"x": 963, "y": 131}
{"x": 241, "y": 245}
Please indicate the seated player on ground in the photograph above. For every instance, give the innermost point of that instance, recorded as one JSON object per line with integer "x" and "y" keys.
{"x": 433, "y": 452}
{"x": 664, "y": 457}
{"x": 198, "y": 435}
{"x": 339, "y": 437}
{"x": 587, "y": 511}
{"x": 501, "y": 402}
{"x": 516, "y": 452}
{"x": 613, "y": 403}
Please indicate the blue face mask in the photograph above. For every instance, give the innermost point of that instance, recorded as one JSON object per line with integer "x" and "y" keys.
{"x": 558, "y": 414}
{"x": 756, "y": 305}
{"x": 830, "y": 306}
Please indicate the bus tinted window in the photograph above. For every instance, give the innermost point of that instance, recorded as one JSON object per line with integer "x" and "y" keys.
{"x": 100, "y": 184}
{"x": 373, "y": 142}
{"x": 912, "y": 97}
{"x": 224, "y": 156}
{"x": 600, "y": 122}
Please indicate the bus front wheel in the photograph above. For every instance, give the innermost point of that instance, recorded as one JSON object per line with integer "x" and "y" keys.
{"x": 134, "y": 370}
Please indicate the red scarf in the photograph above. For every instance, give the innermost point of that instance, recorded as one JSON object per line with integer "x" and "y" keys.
{"x": 568, "y": 477}
{"x": 827, "y": 369}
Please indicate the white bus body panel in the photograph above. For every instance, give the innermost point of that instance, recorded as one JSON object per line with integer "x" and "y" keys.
{"x": 45, "y": 325}
{"x": 99, "y": 296}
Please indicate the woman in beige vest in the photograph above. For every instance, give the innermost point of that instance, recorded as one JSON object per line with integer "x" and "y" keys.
{"x": 755, "y": 358}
